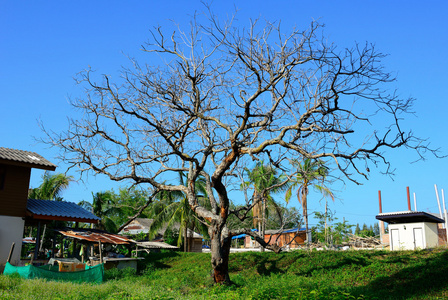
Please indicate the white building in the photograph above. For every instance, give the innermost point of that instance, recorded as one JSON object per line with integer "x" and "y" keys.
{"x": 411, "y": 230}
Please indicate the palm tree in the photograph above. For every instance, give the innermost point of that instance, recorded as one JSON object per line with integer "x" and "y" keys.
{"x": 115, "y": 208}
{"x": 103, "y": 208}
{"x": 173, "y": 208}
{"x": 262, "y": 177}
{"x": 51, "y": 188}
{"x": 309, "y": 173}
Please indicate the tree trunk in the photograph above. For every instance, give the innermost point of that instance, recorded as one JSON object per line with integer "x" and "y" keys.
{"x": 185, "y": 238}
{"x": 305, "y": 214}
{"x": 263, "y": 220}
{"x": 220, "y": 251}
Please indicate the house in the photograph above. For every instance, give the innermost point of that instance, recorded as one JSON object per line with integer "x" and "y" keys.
{"x": 137, "y": 226}
{"x": 143, "y": 225}
{"x": 291, "y": 238}
{"x": 411, "y": 230}
{"x": 15, "y": 173}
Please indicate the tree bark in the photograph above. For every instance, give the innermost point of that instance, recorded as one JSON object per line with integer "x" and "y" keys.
{"x": 263, "y": 224}
{"x": 305, "y": 213}
{"x": 185, "y": 238}
{"x": 220, "y": 251}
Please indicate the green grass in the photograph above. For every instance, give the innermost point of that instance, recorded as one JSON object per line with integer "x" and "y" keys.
{"x": 293, "y": 275}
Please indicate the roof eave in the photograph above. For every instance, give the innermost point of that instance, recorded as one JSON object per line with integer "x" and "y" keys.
{"x": 27, "y": 165}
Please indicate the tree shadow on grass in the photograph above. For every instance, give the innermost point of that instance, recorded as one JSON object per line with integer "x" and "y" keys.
{"x": 155, "y": 260}
{"x": 420, "y": 281}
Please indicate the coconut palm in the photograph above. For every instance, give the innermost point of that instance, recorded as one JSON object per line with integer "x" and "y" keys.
{"x": 309, "y": 173}
{"x": 173, "y": 209}
{"x": 261, "y": 178}
{"x": 51, "y": 187}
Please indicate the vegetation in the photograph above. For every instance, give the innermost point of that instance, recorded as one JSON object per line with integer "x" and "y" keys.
{"x": 309, "y": 173}
{"x": 330, "y": 232}
{"x": 214, "y": 96}
{"x": 173, "y": 212}
{"x": 293, "y": 275}
{"x": 264, "y": 180}
{"x": 51, "y": 187}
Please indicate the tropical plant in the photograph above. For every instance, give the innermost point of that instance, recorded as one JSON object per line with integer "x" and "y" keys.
{"x": 115, "y": 208}
{"x": 264, "y": 180}
{"x": 51, "y": 187}
{"x": 329, "y": 232}
{"x": 172, "y": 209}
{"x": 309, "y": 173}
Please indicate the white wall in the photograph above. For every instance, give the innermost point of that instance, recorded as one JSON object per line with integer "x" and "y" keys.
{"x": 432, "y": 235}
{"x": 11, "y": 230}
{"x": 406, "y": 232}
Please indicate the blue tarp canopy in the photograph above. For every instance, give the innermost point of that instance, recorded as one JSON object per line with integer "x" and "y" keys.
{"x": 242, "y": 236}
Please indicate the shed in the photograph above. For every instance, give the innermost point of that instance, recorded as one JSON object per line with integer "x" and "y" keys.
{"x": 44, "y": 211}
{"x": 15, "y": 172}
{"x": 411, "y": 230}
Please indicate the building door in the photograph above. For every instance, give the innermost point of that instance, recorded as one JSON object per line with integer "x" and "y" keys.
{"x": 395, "y": 239}
{"x": 418, "y": 238}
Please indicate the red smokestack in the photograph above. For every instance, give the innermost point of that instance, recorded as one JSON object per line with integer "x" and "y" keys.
{"x": 382, "y": 232}
{"x": 409, "y": 198}
{"x": 379, "y": 197}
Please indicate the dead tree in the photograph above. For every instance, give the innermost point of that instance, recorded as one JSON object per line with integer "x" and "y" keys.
{"x": 217, "y": 96}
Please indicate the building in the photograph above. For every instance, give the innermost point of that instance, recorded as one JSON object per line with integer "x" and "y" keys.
{"x": 411, "y": 230}
{"x": 291, "y": 238}
{"x": 15, "y": 173}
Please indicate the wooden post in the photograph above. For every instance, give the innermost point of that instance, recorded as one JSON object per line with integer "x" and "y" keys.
{"x": 37, "y": 245}
{"x": 10, "y": 251}
{"x": 101, "y": 253}
{"x": 32, "y": 259}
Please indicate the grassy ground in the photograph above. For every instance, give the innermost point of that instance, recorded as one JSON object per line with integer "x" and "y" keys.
{"x": 294, "y": 275}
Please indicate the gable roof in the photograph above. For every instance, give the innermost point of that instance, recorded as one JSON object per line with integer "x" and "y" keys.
{"x": 59, "y": 211}
{"x": 142, "y": 225}
{"x": 146, "y": 223}
{"x": 24, "y": 159}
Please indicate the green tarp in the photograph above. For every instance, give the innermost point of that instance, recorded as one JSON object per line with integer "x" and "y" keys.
{"x": 91, "y": 274}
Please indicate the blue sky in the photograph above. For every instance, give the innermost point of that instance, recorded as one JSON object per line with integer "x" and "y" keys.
{"x": 44, "y": 44}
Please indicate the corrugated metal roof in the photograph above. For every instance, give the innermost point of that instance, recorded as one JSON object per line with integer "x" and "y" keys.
{"x": 55, "y": 209}
{"x": 95, "y": 236}
{"x": 32, "y": 159}
{"x": 408, "y": 216}
{"x": 156, "y": 245}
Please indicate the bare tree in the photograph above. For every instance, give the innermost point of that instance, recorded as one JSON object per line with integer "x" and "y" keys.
{"x": 218, "y": 95}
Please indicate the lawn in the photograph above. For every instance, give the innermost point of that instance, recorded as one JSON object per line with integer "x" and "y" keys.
{"x": 294, "y": 275}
